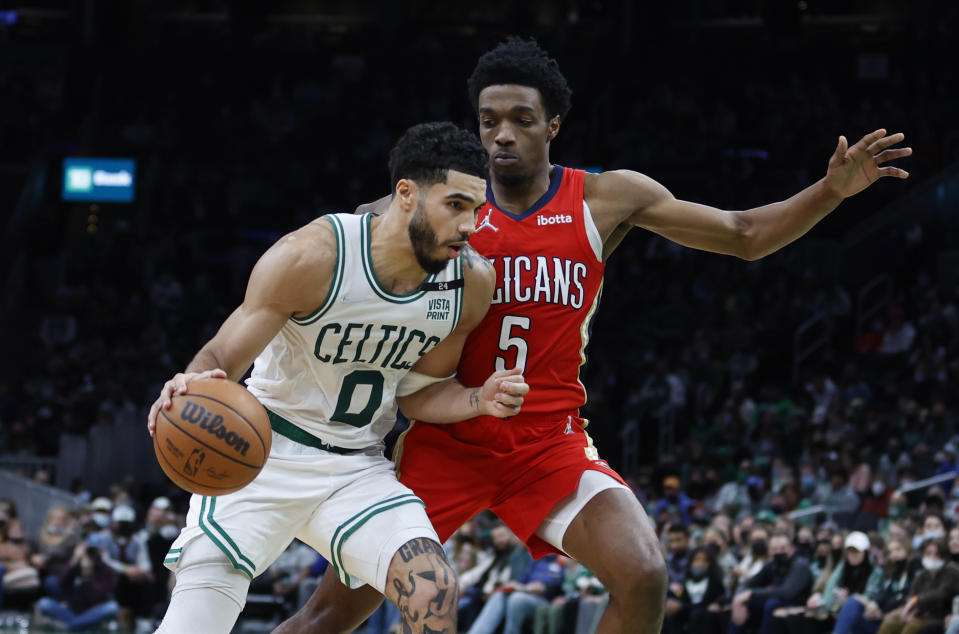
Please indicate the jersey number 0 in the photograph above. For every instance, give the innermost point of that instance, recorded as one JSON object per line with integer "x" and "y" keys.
{"x": 356, "y": 378}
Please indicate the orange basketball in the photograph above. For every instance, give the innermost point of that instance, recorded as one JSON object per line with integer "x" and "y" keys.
{"x": 214, "y": 439}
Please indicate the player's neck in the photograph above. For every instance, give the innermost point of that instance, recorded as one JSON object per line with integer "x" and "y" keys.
{"x": 392, "y": 257}
{"x": 517, "y": 197}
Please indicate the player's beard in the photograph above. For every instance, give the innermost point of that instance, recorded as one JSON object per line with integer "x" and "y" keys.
{"x": 424, "y": 241}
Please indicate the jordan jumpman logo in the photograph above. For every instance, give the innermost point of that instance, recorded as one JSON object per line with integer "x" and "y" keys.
{"x": 486, "y": 223}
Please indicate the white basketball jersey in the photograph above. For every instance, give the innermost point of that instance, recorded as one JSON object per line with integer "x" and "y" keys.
{"x": 334, "y": 373}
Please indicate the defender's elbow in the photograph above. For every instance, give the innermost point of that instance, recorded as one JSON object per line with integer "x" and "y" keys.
{"x": 744, "y": 237}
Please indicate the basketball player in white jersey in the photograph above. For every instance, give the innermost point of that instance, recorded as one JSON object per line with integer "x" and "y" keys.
{"x": 342, "y": 318}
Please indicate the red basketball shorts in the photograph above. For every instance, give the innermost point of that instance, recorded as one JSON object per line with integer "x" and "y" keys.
{"x": 520, "y": 472}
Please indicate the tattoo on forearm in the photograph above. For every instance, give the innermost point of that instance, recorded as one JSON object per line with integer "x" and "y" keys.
{"x": 426, "y": 592}
{"x": 475, "y": 399}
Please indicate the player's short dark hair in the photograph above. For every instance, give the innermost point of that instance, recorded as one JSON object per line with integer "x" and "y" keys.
{"x": 427, "y": 151}
{"x": 521, "y": 61}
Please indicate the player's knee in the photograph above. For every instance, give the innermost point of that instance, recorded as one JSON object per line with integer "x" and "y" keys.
{"x": 643, "y": 581}
{"x": 208, "y": 569}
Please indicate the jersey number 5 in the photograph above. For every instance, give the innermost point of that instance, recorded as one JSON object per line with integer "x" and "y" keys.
{"x": 507, "y": 340}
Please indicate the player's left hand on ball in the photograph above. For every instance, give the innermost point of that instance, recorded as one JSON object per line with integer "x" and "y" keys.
{"x": 853, "y": 169}
{"x": 177, "y": 385}
{"x": 503, "y": 392}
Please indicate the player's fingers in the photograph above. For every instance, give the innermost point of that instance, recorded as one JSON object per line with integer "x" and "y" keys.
{"x": 888, "y": 155}
{"x": 871, "y": 138}
{"x": 839, "y": 156}
{"x": 152, "y": 418}
{"x": 503, "y": 411}
{"x": 179, "y": 383}
{"x": 508, "y": 399}
{"x": 166, "y": 395}
{"x": 884, "y": 142}
{"x": 895, "y": 172}
{"x": 514, "y": 387}
{"x": 216, "y": 373}
{"x": 514, "y": 379}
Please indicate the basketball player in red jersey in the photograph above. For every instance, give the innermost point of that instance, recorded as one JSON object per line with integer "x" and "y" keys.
{"x": 548, "y": 231}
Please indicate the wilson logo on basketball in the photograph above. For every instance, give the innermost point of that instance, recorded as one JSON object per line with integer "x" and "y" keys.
{"x": 213, "y": 424}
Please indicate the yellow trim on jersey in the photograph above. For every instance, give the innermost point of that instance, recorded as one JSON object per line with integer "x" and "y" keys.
{"x": 584, "y": 338}
{"x": 591, "y": 452}
{"x": 398, "y": 449}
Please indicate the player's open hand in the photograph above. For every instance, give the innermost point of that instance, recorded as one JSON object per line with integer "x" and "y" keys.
{"x": 502, "y": 393}
{"x": 853, "y": 169}
{"x": 177, "y": 385}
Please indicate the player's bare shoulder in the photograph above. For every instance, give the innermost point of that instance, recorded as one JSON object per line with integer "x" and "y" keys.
{"x": 298, "y": 269}
{"x": 476, "y": 267}
{"x": 615, "y": 196}
{"x": 312, "y": 246}
{"x": 479, "y": 278}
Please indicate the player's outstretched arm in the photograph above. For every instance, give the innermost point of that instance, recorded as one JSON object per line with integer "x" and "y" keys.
{"x": 291, "y": 278}
{"x": 637, "y": 200}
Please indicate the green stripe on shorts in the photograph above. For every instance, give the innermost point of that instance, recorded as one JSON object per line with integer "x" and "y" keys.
{"x": 246, "y": 566}
{"x": 351, "y": 525}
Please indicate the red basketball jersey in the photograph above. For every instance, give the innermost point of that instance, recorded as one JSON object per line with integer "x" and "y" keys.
{"x": 548, "y": 280}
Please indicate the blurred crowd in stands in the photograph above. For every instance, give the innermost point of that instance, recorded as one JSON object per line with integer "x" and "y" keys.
{"x": 785, "y": 503}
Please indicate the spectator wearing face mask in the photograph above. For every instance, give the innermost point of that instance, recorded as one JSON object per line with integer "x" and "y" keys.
{"x": 855, "y": 575}
{"x": 56, "y": 542}
{"x": 714, "y": 541}
{"x": 930, "y": 595}
{"x": 157, "y": 535}
{"x": 933, "y": 527}
{"x": 757, "y": 491}
{"x": 821, "y": 564}
{"x": 863, "y": 613}
{"x": 805, "y": 542}
{"x": 877, "y": 500}
{"x": 695, "y": 605}
{"x": 677, "y": 552}
{"x": 753, "y": 560}
{"x": 783, "y": 582}
{"x": 88, "y": 585}
{"x": 130, "y": 559}
{"x": 838, "y": 495}
{"x": 97, "y": 516}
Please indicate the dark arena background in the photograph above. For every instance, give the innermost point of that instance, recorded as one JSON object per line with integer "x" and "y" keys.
{"x": 151, "y": 152}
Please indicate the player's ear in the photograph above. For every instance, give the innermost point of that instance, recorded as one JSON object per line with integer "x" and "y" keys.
{"x": 407, "y": 192}
{"x": 552, "y": 129}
